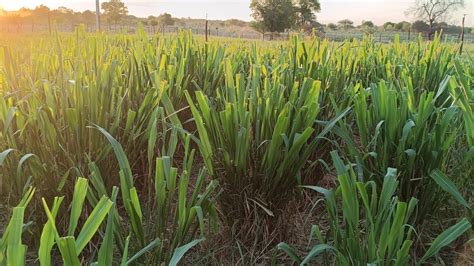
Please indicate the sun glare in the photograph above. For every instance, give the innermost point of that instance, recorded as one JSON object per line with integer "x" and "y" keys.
{"x": 2, "y": 10}
{"x": 15, "y": 5}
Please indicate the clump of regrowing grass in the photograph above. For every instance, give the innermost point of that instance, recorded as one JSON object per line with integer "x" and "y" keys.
{"x": 264, "y": 115}
{"x": 412, "y": 134}
{"x": 373, "y": 227}
{"x": 255, "y": 136}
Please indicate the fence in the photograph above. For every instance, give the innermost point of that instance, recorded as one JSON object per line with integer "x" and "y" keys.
{"x": 236, "y": 32}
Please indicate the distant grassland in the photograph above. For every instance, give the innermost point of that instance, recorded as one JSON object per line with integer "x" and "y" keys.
{"x": 469, "y": 48}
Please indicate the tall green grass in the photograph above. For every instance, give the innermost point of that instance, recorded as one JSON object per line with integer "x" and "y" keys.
{"x": 374, "y": 226}
{"x": 180, "y": 207}
{"x": 125, "y": 113}
{"x": 256, "y": 136}
{"x": 395, "y": 128}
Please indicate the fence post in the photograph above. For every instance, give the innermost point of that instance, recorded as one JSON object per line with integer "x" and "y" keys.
{"x": 206, "y": 27}
{"x": 97, "y": 11}
{"x": 462, "y": 34}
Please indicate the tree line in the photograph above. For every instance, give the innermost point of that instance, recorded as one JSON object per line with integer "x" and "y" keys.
{"x": 113, "y": 12}
{"x": 403, "y": 26}
{"x": 270, "y": 16}
{"x": 275, "y": 16}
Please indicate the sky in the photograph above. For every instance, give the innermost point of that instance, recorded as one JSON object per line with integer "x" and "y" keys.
{"x": 378, "y": 11}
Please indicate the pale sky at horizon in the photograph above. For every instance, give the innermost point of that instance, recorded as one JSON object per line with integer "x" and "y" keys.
{"x": 378, "y": 11}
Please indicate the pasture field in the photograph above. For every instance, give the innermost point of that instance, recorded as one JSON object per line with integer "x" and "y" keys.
{"x": 148, "y": 150}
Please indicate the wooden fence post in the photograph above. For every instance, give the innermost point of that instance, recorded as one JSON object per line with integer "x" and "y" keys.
{"x": 462, "y": 34}
{"x": 206, "y": 28}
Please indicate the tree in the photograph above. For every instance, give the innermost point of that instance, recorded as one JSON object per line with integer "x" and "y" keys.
{"x": 368, "y": 27}
{"x": 114, "y": 10}
{"x": 153, "y": 22}
{"x": 166, "y": 19}
{"x": 258, "y": 27}
{"x": 41, "y": 15}
{"x": 274, "y": 15}
{"x": 367, "y": 24}
{"x": 403, "y": 26}
{"x": 306, "y": 10}
{"x": 420, "y": 26}
{"x": 345, "y": 24}
{"x": 434, "y": 11}
{"x": 62, "y": 15}
{"x": 441, "y": 26}
{"x": 332, "y": 26}
{"x": 87, "y": 17}
{"x": 453, "y": 29}
{"x": 388, "y": 26}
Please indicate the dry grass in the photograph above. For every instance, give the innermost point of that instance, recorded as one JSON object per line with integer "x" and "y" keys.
{"x": 293, "y": 226}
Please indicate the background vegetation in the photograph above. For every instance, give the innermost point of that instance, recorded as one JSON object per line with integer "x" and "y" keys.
{"x": 141, "y": 149}
{"x": 134, "y": 147}
{"x": 271, "y": 19}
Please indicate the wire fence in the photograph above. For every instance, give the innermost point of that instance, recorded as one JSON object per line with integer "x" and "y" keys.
{"x": 233, "y": 32}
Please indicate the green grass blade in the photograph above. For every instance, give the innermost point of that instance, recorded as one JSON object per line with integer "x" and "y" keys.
{"x": 446, "y": 238}
{"x": 93, "y": 223}
{"x": 315, "y": 251}
{"x": 290, "y": 252}
{"x": 447, "y": 185}
{"x": 15, "y": 250}
{"x": 181, "y": 251}
{"x": 78, "y": 198}
{"x": 106, "y": 250}
{"x": 47, "y": 240}
{"x": 144, "y": 250}
{"x": 67, "y": 246}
